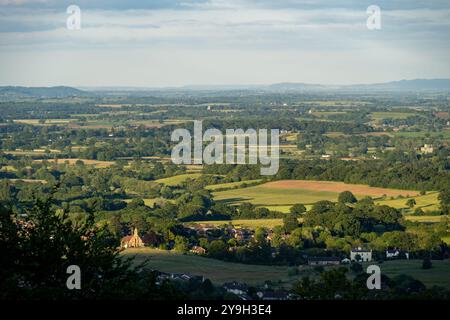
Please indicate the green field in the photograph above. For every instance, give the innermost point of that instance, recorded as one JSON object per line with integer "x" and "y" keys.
{"x": 429, "y": 219}
{"x": 391, "y": 115}
{"x": 289, "y": 192}
{"x": 219, "y": 271}
{"x": 230, "y": 185}
{"x": 179, "y": 179}
{"x": 422, "y": 134}
{"x": 285, "y": 209}
{"x": 264, "y": 196}
{"x": 428, "y": 202}
{"x": 246, "y": 223}
{"x": 215, "y": 270}
{"x": 438, "y": 275}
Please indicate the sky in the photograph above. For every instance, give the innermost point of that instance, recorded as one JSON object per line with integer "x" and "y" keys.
{"x": 158, "y": 43}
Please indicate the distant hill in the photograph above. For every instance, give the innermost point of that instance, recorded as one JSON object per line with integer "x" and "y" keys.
{"x": 41, "y": 92}
{"x": 409, "y": 85}
{"x": 402, "y": 85}
{"x": 416, "y": 85}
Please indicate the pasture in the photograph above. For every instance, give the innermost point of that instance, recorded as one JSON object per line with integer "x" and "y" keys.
{"x": 425, "y": 219}
{"x": 230, "y": 185}
{"x": 289, "y": 192}
{"x": 438, "y": 275}
{"x": 178, "y": 180}
{"x": 95, "y": 163}
{"x": 217, "y": 271}
{"x": 427, "y": 202}
{"x": 391, "y": 115}
{"x": 245, "y": 223}
{"x": 220, "y": 272}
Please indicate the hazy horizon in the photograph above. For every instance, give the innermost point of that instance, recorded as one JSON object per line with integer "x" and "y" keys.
{"x": 176, "y": 43}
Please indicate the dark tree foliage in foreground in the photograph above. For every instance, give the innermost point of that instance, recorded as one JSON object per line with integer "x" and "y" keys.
{"x": 35, "y": 252}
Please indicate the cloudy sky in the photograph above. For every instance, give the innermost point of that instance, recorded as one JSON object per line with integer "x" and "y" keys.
{"x": 160, "y": 43}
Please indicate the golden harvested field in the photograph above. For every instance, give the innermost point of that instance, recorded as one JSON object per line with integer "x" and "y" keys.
{"x": 245, "y": 223}
{"x": 332, "y": 186}
{"x": 36, "y": 122}
{"x": 289, "y": 192}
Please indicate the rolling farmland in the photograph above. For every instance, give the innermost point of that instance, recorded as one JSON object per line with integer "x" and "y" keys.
{"x": 289, "y": 192}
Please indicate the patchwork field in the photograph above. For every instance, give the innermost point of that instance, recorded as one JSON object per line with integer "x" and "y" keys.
{"x": 245, "y": 223}
{"x": 391, "y": 115}
{"x": 179, "y": 179}
{"x": 219, "y": 271}
{"x": 96, "y": 163}
{"x": 230, "y": 185}
{"x": 438, "y": 275}
{"x": 288, "y": 192}
{"x": 332, "y": 186}
{"x": 427, "y": 202}
{"x": 427, "y": 219}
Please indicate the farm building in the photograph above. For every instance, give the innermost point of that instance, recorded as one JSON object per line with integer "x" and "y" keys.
{"x": 323, "y": 261}
{"x": 236, "y": 288}
{"x": 198, "y": 250}
{"x": 361, "y": 255}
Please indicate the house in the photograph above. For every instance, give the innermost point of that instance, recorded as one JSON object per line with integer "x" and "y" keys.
{"x": 391, "y": 254}
{"x": 241, "y": 234}
{"x": 427, "y": 148}
{"x": 236, "y": 288}
{"x": 162, "y": 276}
{"x": 198, "y": 250}
{"x": 360, "y": 255}
{"x": 323, "y": 261}
{"x": 273, "y": 295}
{"x": 133, "y": 241}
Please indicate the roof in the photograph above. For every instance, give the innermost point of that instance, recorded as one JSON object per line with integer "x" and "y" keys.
{"x": 324, "y": 259}
{"x": 360, "y": 250}
{"x": 235, "y": 286}
{"x": 127, "y": 238}
{"x": 275, "y": 294}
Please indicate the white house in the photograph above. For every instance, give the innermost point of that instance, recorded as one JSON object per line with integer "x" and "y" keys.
{"x": 392, "y": 253}
{"x": 395, "y": 253}
{"x": 427, "y": 148}
{"x": 362, "y": 255}
{"x": 236, "y": 288}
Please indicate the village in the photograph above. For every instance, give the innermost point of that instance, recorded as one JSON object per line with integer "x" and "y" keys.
{"x": 244, "y": 236}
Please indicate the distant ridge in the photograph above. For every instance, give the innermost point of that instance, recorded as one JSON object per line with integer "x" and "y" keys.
{"x": 41, "y": 92}
{"x": 415, "y": 85}
{"x": 401, "y": 85}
